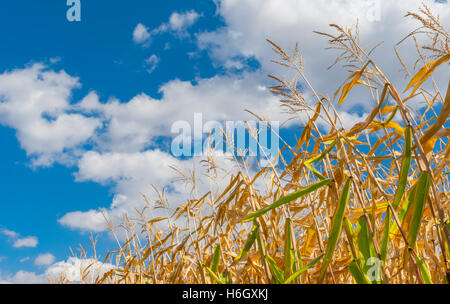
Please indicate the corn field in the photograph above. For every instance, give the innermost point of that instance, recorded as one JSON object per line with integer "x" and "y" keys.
{"x": 367, "y": 205}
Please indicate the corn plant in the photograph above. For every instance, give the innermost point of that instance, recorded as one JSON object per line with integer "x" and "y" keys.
{"x": 341, "y": 205}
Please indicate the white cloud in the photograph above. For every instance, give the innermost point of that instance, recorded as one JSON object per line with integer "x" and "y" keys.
{"x": 151, "y": 63}
{"x": 123, "y": 166}
{"x": 18, "y": 241}
{"x": 9, "y": 233}
{"x": 178, "y": 24}
{"x": 30, "y": 241}
{"x": 92, "y": 220}
{"x": 25, "y": 277}
{"x": 181, "y": 21}
{"x": 130, "y": 174}
{"x": 133, "y": 174}
{"x": 132, "y": 126}
{"x": 121, "y": 154}
{"x": 124, "y": 154}
{"x": 70, "y": 270}
{"x": 44, "y": 259}
{"x": 35, "y": 102}
{"x": 141, "y": 34}
{"x": 122, "y": 157}
{"x": 249, "y": 22}
{"x": 124, "y": 160}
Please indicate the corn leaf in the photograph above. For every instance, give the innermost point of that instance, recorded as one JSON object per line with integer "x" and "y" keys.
{"x": 346, "y": 89}
{"x": 251, "y": 239}
{"x": 288, "y": 261}
{"x": 425, "y": 72}
{"x": 288, "y": 198}
{"x": 216, "y": 258}
{"x": 213, "y": 275}
{"x": 440, "y": 121}
{"x": 358, "y": 275}
{"x": 277, "y": 273}
{"x": 424, "y": 271}
{"x": 420, "y": 198}
{"x": 336, "y": 228}
{"x": 351, "y": 237}
{"x": 403, "y": 178}
{"x": 302, "y": 270}
{"x": 365, "y": 244}
{"x": 405, "y": 209}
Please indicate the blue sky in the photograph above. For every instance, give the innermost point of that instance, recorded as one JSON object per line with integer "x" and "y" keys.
{"x": 100, "y": 51}
{"x": 89, "y": 145}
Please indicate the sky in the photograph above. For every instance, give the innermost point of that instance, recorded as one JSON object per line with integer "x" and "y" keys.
{"x": 86, "y": 107}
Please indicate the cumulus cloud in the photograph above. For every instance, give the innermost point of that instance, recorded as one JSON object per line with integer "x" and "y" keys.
{"x": 178, "y": 24}
{"x": 134, "y": 174}
{"x": 25, "y": 277}
{"x": 181, "y": 21}
{"x": 132, "y": 126}
{"x": 125, "y": 153}
{"x": 249, "y": 22}
{"x": 130, "y": 174}
{"x": 92, "y": 220}
{"x": 44, "y": 259}
{"x": 36, "y": 103}
{"x": 9, "y": 233}
{"x": 30, "y": 241}
{"x": 72, "y": 269}
{"x": 19, "y": 241}
{"x": 124, "y": 160}
{"x": 63, "y": 271}
{"x": 141, "y": 34}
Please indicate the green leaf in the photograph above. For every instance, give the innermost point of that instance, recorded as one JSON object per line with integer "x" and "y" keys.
{"x": 315, "y": 172}
{"x": 213, "y": 275}
{"x": 358, "y": 275}
{"x": 406, "y": 206}
{"x": 404, "y": 169}
{"x": 391, "y": 116}
{"x": 288, "y": 198}
{"x": 351, "y": 237}
{"x": 336, "y": 228}
{"x": 424, "y": 271}
{"x": 216, "y": 258}
{"x": 288, "y": 261}
{"x": 226, "y": 278}
{"x": 323, "y": 154}
{"x": 302, "y": 270}
{"x": 420, "y": 198}
{"x": 248, "y": 243}
{"x": 277, "y": 273}
{"x": 385, "y": 239}
{"x": 403, "y": 178}
{"x": 365, "y": 244}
